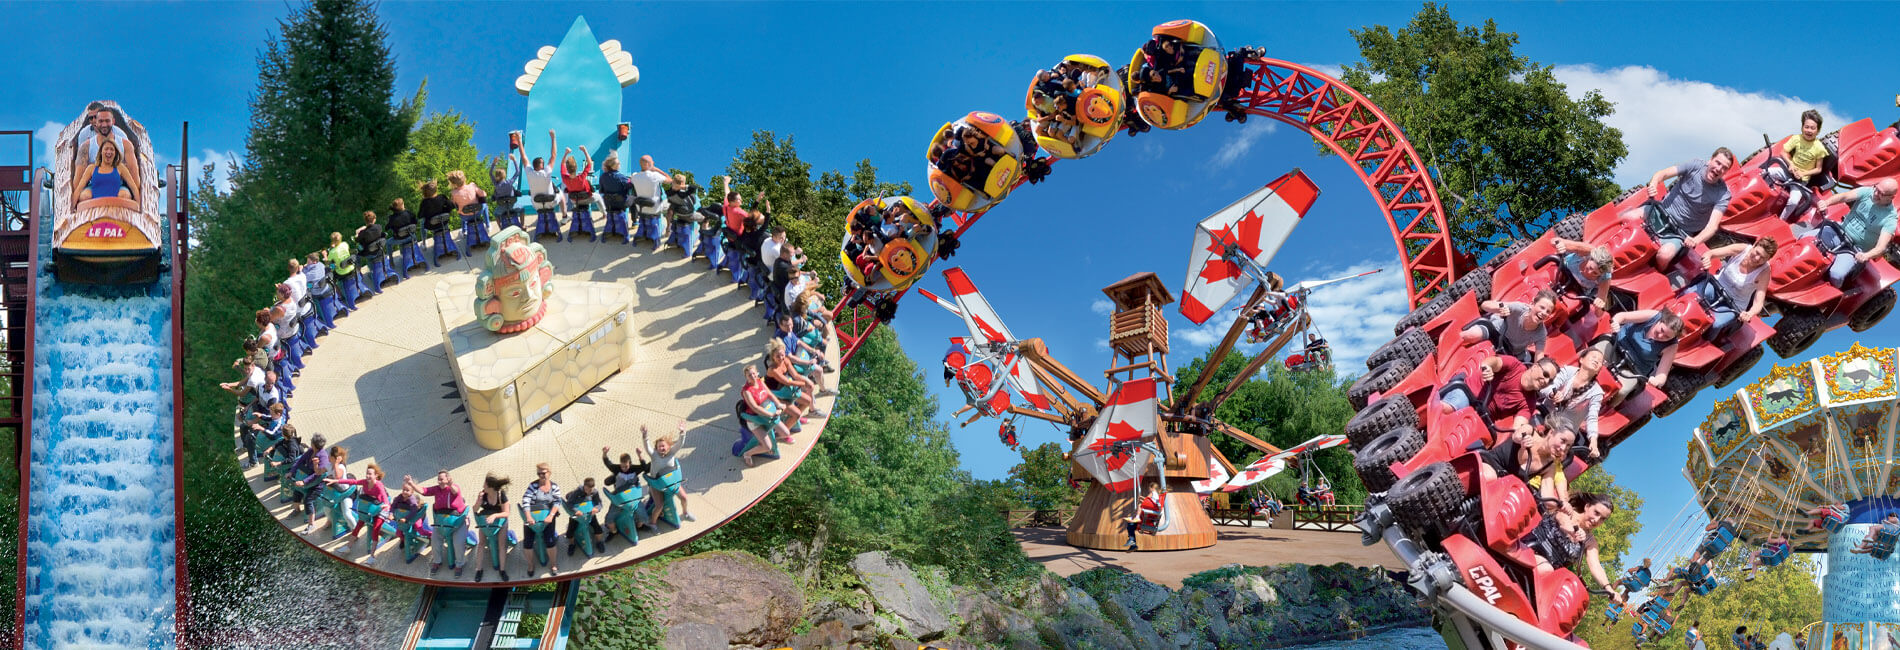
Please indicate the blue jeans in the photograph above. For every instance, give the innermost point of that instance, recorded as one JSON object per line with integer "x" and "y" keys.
{"x": 510, "y": 217}
{"x": 326, "y": 310}
{"x": 349, "y": 285}
{"x": 407, "y": 247}
{"x": 735, "y": 263}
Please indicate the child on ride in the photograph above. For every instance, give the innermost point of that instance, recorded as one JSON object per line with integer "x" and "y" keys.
{"x": 587, "y": 494}
{"x": 1828, "y": 517}
{"x": 1772, "y": 554}
{"x": 1881, "y": 540}
{"x": 373, "y": 491}
{"x": 1151, "y": 512}
{"x": 1587, "y": 271}
{"x": 1808, "y": 158}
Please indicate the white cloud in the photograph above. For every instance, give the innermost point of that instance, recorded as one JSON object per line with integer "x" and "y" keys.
{"x": 47, "y": 134}
{"x": 1102, "y": 306}
{"x": 1101, "y": 344}
{"x": 1242, "y": 142}
{"x": 1666, "y": 120}
{"x": 1333, "y": 70}
{"x": 1152, "y": 149}
{"x": 1355, "y": 316}
{"x": 194, "y": 168}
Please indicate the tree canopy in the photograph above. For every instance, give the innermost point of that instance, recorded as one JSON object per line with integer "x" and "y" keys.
{"x": 1510, "y": 149}
{"x": 440, "y": 144}
{"x": 324, "y": 136}
{"x": 1284, "y": 408}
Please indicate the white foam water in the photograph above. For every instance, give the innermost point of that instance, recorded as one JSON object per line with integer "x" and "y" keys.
{"x": 100, "y": 521}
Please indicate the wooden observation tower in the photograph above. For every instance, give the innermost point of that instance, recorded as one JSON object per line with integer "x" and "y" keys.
{"x": 1138, "y": 341}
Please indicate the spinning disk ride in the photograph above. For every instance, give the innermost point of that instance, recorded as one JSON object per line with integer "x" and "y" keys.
{"x": 1808, "y": 437}
{"x": 396, "y": 390}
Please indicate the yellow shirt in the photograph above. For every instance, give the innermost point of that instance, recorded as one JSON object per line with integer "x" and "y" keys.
{"x": 1805, "y": 155}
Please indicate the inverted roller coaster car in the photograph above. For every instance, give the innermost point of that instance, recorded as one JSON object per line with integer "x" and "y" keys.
{"x": 880, "y": 265}
{"x": 1177, "y": 77}
{"x": 1076, "y": 107}
{"x": 974, "y": 162}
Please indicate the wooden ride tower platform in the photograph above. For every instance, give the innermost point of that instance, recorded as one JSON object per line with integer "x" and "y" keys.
{"x": 1138, "y": 340}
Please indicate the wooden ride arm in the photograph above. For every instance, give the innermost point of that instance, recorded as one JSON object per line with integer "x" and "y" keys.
{"x": 1037, "y": 354}
{"x": 1293, "y": 328}
{"x": 1040, "y": 415}
{"x": 1063, "y": 402}
{"x": 1220, "y": 353}
{"x": 1243, "y": 436}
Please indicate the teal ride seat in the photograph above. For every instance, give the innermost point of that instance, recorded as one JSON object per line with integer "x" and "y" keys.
{"x": 411, "y": 528}
{"x": 538, "y": 522}
{"x": 499, "y": 539}
{"x": 371, "y": 513}
{"x": 666, "y": 489}
{"x": 333, "y": 503}
{"x": 447, "y": 540}
{"x": 583, "y": 517}
{"x": 627, "y": 509}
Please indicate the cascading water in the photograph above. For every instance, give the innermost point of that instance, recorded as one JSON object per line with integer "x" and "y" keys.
{"x": 100, "y": 528}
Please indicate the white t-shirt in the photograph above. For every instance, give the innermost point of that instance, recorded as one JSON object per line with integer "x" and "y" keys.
{"x": 769, "y": 252}
{"x": 796, "y": 286}
{"x": 540, "y": 181}
{"x": 255, "y": 382}
{"x": 651, "y": 184}
{"x": 299, "y": 287}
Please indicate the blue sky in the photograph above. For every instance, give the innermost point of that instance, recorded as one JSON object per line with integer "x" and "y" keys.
{"x": 873, "y": 81}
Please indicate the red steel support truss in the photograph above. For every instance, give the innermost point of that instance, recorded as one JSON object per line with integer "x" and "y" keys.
{"x": 1346, "y": 122}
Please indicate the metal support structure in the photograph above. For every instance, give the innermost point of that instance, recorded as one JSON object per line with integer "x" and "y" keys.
{"x": 1335, "y": 115}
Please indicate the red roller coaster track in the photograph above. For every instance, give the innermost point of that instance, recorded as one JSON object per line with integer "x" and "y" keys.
{"x": 1346, "y": 122}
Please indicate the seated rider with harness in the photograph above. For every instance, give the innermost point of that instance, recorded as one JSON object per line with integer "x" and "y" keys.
{"x": 436, "y": 210}
{"x": 1879, "y": 543}
{"x": 1829, "y": 517}
{"x": 544, "y": 195}
{"x": 505, "y": 201}
{"x": 1153, "y": 515}
{"x": 1584, "y": 274}
{"x": 1772, "y": 554}
{"x": 1272, "y": 309}
{"x": 1863, "y": 234}
{"x": 580, "y": 194}
{"x": 1692, "y": 210}
{"x": 401, "y": 231}
{"x": 1514, "y": 328}
{"x": 369, "y": 253}
{"x": 1737, "y": 293}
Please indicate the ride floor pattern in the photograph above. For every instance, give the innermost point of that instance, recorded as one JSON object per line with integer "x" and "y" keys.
{"x": 381, "y": 385}
{"x": 101, "y": 536}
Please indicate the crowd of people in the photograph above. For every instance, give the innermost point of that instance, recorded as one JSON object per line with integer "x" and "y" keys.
{"x": 643, "y": 488}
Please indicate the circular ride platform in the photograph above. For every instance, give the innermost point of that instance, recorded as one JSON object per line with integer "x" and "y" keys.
{"x": 381, "y": 385}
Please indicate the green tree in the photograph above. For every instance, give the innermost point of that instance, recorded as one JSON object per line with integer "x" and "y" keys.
{"x": 883, "y": 477}
{"x": 1509, "y": 148}
{"x": 1284, "y": 409}
{"x": 812, "y": 212}
{"x": 440, "y": 144}
{"x": 1782, "y": 599}
{"x": 324, "y": 134}
{"x": 1043, "y": 478}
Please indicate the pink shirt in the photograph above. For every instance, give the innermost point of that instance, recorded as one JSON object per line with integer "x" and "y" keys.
{"x": 464, "y": 196}
{"x": 446, "y": 497}
{"x": 372, "y": 490}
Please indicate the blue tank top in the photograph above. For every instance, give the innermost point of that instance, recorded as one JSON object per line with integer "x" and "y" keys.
{"x": 105, "y": 183}
{"x": 1638, "y": 349}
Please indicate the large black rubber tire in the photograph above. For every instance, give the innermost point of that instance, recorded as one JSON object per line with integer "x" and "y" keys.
{"x": 1426, "y": 502}
{"x": 1414, "y": 344}
{"x": 1741, "y": 366}
{"x": 1627, "y": 192}
{"x": 1678, "y": 389}
{"x": 1497, "y": 261}
{"x": 1723, "y": 238}
{"x": 1374, "y": 461}
{"x": 1570, "y": 227}
{"x": 1477, "y": 283}
{"x": 1379, "y": 417}
{"x": 1424, "y": 313}
{"x": 1871, "y": 312}
{"x": 1798, "y": 328}
{"x": 1376, "y": 380}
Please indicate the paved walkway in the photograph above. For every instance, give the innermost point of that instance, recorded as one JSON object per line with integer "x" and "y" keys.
{"x": 381, "y": 385}
{"x": 1238, "y": 545}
